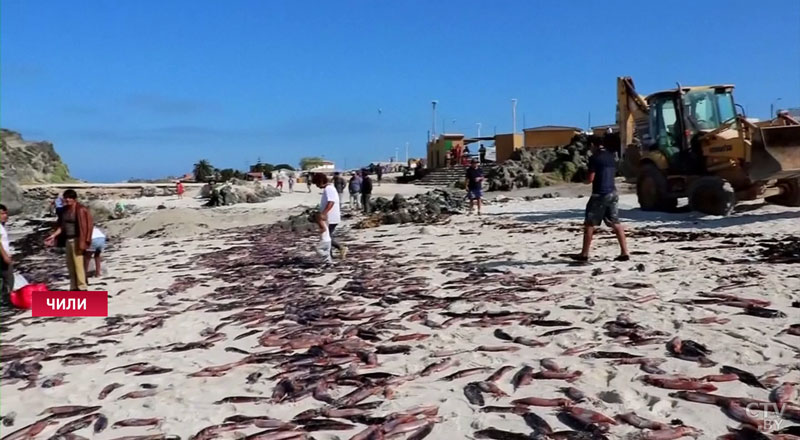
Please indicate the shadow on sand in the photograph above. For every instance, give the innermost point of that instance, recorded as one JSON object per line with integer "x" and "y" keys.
{"x": 682, "y": 218}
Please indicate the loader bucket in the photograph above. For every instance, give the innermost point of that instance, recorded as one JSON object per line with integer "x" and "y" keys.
{"x": 775, "y": 152}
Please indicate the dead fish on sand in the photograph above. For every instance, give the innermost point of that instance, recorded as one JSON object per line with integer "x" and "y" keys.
{"x": 108, "y": 389}
{"x": 762, "y": 312}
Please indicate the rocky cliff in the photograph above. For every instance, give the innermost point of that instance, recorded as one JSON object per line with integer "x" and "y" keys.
{"x": 24, "y": 162}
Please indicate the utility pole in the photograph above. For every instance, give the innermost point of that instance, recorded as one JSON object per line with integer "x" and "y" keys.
{"x": 772, "y": 108}
{"x": 406, "y": 151}
{"x": 514, "y": 115}
{"x": 433, "y": 131}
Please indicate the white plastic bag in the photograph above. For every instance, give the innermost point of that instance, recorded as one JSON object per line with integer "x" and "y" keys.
{"x": 19, "y": 281}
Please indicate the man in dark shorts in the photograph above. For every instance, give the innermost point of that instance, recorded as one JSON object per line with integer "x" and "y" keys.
{"x": 602, "y": 205}
{"x": 473, "y": 184}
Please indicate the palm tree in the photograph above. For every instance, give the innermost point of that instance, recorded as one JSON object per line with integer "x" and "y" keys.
{"x": 203, "y": 171}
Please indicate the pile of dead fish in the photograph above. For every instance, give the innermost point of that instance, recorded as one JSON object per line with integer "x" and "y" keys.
{"x": 785, "y": 251}
{"x": 430, "y": 207}
{"x": 331, "y": 342}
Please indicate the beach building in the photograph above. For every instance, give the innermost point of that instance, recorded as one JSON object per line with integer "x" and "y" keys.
{"x": 602, "y": 130}
{"x": 505, "y": 145}
{"x": 254, "y": 176}
{"x": 548, "y": 136}
{"x": 439, "y": 149}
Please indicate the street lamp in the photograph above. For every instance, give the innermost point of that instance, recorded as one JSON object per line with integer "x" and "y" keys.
{"x": 479, "y": 128}
{"x": 433, "y": 132}
{"x": 514, "y": 115}
{"x": 772, "y": 108}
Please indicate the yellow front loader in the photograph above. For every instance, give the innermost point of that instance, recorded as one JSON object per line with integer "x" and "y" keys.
{"x": 691, "y": 142}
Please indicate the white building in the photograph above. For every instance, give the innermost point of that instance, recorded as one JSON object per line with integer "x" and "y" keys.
{"x": 326, "y": 166}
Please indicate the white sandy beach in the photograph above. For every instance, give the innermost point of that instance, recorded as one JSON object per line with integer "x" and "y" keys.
{"x": 517, "y": 237}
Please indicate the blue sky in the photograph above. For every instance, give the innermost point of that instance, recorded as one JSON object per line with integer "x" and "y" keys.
{"x": 145, "y": 88}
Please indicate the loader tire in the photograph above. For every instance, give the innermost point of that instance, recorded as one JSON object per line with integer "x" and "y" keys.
{"x": 652, "y": 191}
{"x": 790, "y": 193}
{"x": 712, "y": 195}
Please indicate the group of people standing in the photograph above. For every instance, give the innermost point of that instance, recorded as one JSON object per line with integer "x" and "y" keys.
{"x": 462, "y": 156}
{"x": 74, "y": 232}
{"x": 329, "y": 215}
{"x": 360, "y": 189}
{"x": 279, "y": 179}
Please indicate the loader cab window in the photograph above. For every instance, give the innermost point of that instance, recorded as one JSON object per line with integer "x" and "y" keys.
{"x": 707, "y": 110}
{"x": 727, "y": 111}
{"x": 664, "y": 123}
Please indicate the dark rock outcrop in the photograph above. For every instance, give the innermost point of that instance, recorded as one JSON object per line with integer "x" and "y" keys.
{"x": 536, "y": 168}
{"x": 430, "y": 207}
{"x": 24, "y": 163}
{"x": 236, "y": 191}
{"x": 28, "y": 162}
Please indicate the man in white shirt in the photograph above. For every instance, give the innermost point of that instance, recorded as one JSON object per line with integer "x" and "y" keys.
{"x": 329, "y": 209}
{"x": 6, "y": 264}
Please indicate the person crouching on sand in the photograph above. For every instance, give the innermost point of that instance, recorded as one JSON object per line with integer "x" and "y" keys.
{"x": 95, "y": 251}
{"x": 74, "y": 232}
{"x": 602, "y": 205}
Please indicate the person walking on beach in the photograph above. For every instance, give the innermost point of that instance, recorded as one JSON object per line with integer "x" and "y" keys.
{"x": 379, "y": 173}
{"x": 95, "y": 250}
{"x": 354, "y": 187}
{"x": 330, "y": 209}
{"x": 602, "y": 205}
{"x": 279, "y": 181}
{"x": 482, "y": 154}
{"x": 366, "y": 191}
{"x": 339, "y": 184}
{"x": 473, "y": 182}
{"x": 309, "y": 177}
{"x": 291, "y": 183}
{"x": 179, "y": 189}
{"x": 74, "y": 232}
{"x": 6, "y": 263}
